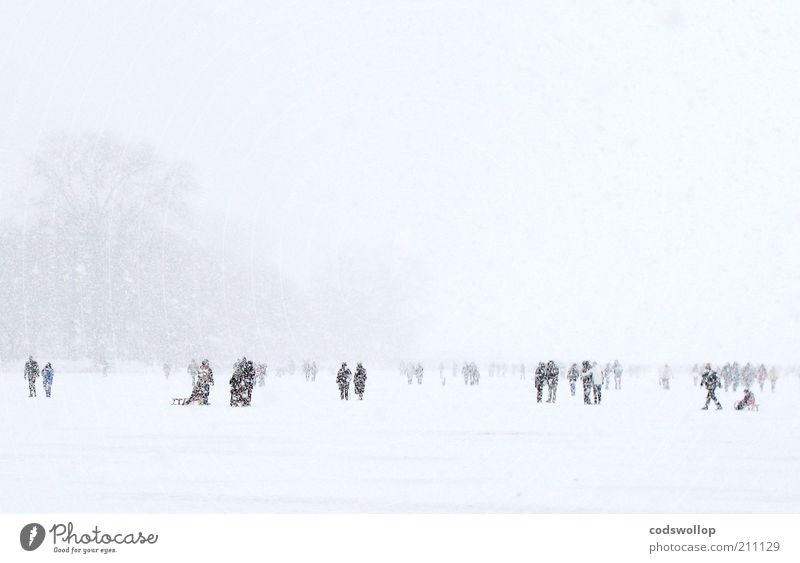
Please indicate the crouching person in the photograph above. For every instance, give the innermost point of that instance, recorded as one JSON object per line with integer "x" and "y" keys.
{"x": 747, "y": 402}
{"x": 201, "y": 387}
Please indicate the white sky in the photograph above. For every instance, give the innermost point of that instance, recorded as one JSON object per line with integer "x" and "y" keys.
{"x": 559, "y": 178}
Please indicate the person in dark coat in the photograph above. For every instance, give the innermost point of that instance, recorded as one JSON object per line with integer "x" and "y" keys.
{"x": 597, "y": 378}
{"x": 360, "y": 381}
{"x": 237, "y": 383}
{"x": 551, "y": 373}
{"x": 710, "y": 381}
{"x": 538, "y": 380}
{"x": 587, "y": 378}
{"x": 248, "y": 382}
{"x": 343, "y": 381}
{"x": 31, "y": 374}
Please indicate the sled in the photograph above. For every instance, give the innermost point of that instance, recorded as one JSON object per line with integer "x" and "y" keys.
{"x": 753, "y": 407}
{"x": 181, "y": 401}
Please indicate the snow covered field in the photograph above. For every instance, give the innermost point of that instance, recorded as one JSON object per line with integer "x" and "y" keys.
{"x": 117, "y": 445}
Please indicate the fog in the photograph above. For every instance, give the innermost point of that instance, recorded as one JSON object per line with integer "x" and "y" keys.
{"x": 439, "y": 179}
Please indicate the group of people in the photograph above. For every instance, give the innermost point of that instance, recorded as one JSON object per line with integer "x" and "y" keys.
{"x": 412, "y": 370}
{"x": 546, "y": 373}
{"x": 733, "y": 376}
{"x": 729, "y": 377}
{"x": 471, "y": 374}
{"x": 593, "y": 379}
{"x": 242, "y": 382}
{"x": 711, "y": 381}
{"x": 32, "y": 373}
{"x": 359, "y": 381}
{"x": 310, "y": 370}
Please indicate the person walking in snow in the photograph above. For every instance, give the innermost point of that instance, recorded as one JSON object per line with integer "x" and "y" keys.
{"x": 617, "y": 375}
{"x": 166, "y": 369}
{"x": 360, "y": 381}
{"x": 572, "y": 377}
{"x": 607, "y": 371}
{"x": 418, "y": 371}
{"x": 665, "y": 376}
{"x": 205, "y": 380}
{"x": 192, "y": 370}
{"x": 710, "y": 381}
{"x": 597, "y": 379}
{"x": 248, "y": 382}
{"x": 587, "y": 378}
{"x": 748, "y": 375}
{"x": 736, "y": 376}
{"x": 31, "y": 374}
{"x": 724, "y": 375}
{"x": 539, "y": 378}
{"x": 551, "y": 372}
{"x": 261, "y": 374}
{"x": 343, "y": 381}
{"x": 773, "y": 377}
{"x": 761, "y": 376}
{"x": 408, "y": 370}
{"x": 47, "y": 378}
{"x": 237, "y": 384}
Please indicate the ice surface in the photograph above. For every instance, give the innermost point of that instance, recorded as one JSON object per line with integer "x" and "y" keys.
{"x": 117, "y": 445}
